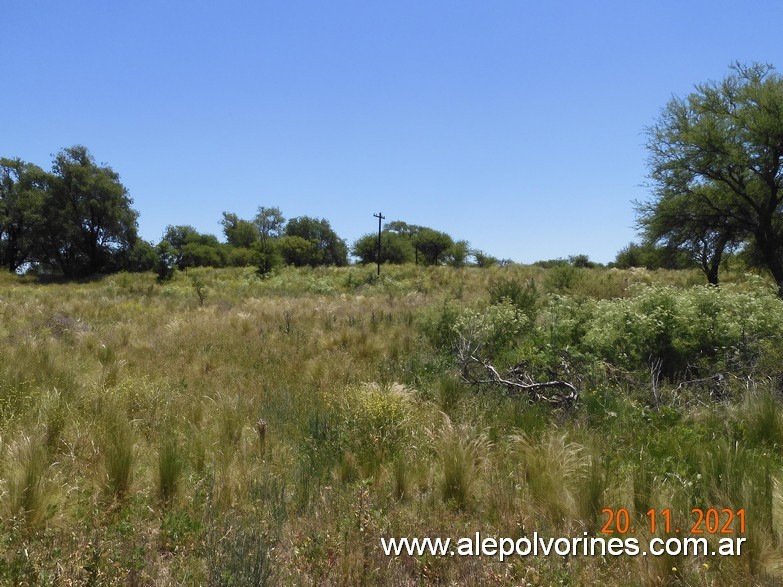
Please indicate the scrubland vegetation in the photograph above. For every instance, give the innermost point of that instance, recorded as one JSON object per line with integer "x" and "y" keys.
{"x": 224, "y": 429}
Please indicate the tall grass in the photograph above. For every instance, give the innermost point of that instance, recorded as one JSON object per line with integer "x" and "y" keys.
{"x": 462, "y": 455}
{"x": 273, "y": 434}
{"x": 170, "y": 467}
{"x": 118, "y": 451}
{"x": 31, "y": 493}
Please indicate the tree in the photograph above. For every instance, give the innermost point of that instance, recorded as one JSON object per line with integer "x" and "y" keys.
{"x": 187, "y": 247}
{"x": 88, "y": 219}
{"x": 458, "y": 254}
{"x": 239, "y": 233}
{"x": 691, "y": 224}
{"x": 395, "y": 248}
{"x": 716, "y": 159}
{"x": 483, "y": 259}
{"x": 22, "y": 193}
{"x": 433, "y": 245}
{"x": 269, "y": 222}
{"x": 299, "y": 252}
{"x": 330, "y": 249}
{"x": 651, "y": 256}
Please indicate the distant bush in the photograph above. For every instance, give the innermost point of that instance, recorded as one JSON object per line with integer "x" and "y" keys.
{"x": 562, "y": 278}
{"x": 524, "y": 296}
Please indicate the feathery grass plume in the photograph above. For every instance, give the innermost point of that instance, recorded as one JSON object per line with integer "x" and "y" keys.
{"x": 230, "y": 422}
{"x": 170, "y": 467}
{"x": 642, "y": 485}
{"x": 118, "y": 451}
{"x": 593, "y": 490}
{"x": 53, "y": 409}
{"x": 30, "y": 492}
{"x": 447, "y": 392}
{"x": 734, "y": 476}
{"x": 403, "y": 477}
{"x": 462, "y": 454}
{"x": 554, "y": 470}
{"x": 761, "y": 419}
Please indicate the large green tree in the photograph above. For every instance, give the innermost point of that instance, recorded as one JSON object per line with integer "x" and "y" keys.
{"x": 719, "y": 151}
{"x": 88, "y": 219}
{"x": 395, "y": 248}
{"x": 183, "y": 246}
{"x": 694, "y": 225}
{"x": 329, "y": 248}
{"x": 239, "y": 232}
{"x": 22, "y": 194}
{"x": 433, "y": 245}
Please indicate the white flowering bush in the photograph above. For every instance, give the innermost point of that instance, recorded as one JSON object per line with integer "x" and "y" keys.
{"x": 488, "y": 332}
{"x": 566, "y": 319}
{"x": 679, "y": 328}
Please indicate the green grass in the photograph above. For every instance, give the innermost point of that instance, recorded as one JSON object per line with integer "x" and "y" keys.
{"x": 270, "y": 431}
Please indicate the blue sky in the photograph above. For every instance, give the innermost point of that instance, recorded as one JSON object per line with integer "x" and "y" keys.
{"x": 518, "y": 126}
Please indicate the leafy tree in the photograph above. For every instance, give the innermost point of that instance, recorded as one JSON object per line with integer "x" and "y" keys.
{"x": 689, "y": 223}
{"x": 242, "y": 256}
{"x": 582, "y": 261}
{"x": 270, "y": 223}
{"x": 395, "y": 248}
{"x": 719, "y": 151}
{"x": 187, "y": 247}
{"x": 433, "y": 245}
{"x": 458, "y": 254}
{"x": 483, "y": 259}
{"x": 239, "y": 233}
{"x": 88, "y": 218}
{"x": 403, "y": 228}
{"x": 651, "y": 256}
{"x": 142, "y": 256}
{"x": 330, "y": 249}
{"x": 299, "y": 251}
{"x": 167, "y": 260}
{"x": 22, "y": 194}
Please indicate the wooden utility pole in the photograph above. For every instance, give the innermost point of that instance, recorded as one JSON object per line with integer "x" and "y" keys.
{"x": 380, "y": 217}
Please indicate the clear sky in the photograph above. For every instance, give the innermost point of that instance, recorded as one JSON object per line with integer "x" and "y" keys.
{"x": 518, "y": 126}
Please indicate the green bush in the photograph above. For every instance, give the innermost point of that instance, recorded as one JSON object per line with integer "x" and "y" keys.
{"x": 678, "y": 329}
{"x": 370, "y": 422}
{"x": 489, "y": 332}
{"x": 565, "y": 320}
{"x": 524, "y": 296}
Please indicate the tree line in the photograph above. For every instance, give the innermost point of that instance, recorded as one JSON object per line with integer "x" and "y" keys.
{"x": 715, "y": 169}
{"x": 77, "y": 220}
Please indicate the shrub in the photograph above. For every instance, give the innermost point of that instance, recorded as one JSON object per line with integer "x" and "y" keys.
{"x": 370, "y": 422}
{"x": 487, "y": 333}
{"x": 681, "y": 328}
{"x": 562, "y": 278}
{"x": 566, "y": 320}
{"x": 522, "y": 296}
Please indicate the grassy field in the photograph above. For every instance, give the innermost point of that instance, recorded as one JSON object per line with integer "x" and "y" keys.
{"x": 222, "y": 429}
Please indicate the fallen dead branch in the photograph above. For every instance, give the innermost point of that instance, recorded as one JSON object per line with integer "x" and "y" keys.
{"x": 518, "y": 381}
